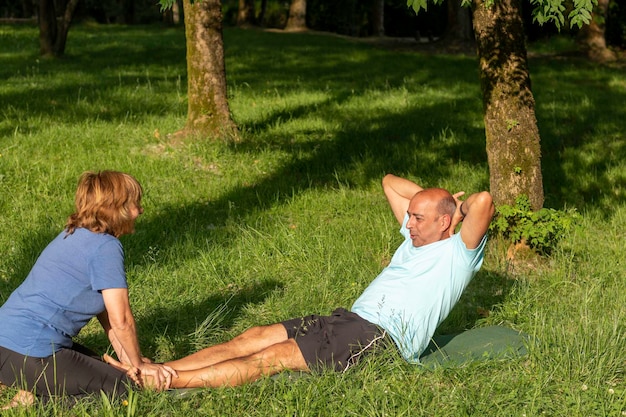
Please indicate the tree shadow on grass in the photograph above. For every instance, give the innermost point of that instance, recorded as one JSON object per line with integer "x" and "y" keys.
{"x": 582, "y": 129}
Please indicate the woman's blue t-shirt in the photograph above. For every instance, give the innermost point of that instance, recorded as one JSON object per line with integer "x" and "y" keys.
{"x": 62, "y": 292}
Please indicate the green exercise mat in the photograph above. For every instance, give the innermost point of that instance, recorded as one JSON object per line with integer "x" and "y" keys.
{"x": 484, "y": 343}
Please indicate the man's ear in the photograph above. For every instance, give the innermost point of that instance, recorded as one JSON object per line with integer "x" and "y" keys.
{"x": 446, "y": 221}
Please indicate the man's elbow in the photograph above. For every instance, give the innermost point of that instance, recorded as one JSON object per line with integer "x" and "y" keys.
{"x": 386, "y": 179}
{"x": 484, "y": 201}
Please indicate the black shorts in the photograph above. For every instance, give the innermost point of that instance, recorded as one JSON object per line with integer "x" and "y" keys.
{"x": 336, "y": 341}
{"x": 75, "y": 372}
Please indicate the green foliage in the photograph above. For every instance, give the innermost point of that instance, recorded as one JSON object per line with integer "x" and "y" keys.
{"x": 544, "y": 11}
{"x": 541, "y": 229}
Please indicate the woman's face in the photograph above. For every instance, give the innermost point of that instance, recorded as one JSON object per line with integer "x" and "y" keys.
{"x": 135, "y": 211}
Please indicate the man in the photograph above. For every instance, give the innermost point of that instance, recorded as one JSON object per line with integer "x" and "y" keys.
{"x": 408, "y": 300}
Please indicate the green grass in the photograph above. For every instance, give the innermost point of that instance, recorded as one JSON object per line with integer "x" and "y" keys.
{"x": 291, "y": 220}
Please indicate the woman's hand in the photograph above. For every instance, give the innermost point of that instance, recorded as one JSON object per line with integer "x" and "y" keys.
{"x": 147, "y": 375}
{"x": 156, "y": 376}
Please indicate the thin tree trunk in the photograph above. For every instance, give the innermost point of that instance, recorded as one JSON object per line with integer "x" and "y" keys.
{"x": 53, "y": 33}
{"x": 262, "y": 12}
{"x": 513, "y": 143}
{"x": 378, "y": 18}
{"x": 28, "y": 10}
{"x": 64, "y": 27}
{"x": 47, "y": 27}
{"x": 297, "y": 16}
{"x": 245, "y": 14}
{"x": 459, "y": 26}
{"x": 208, "y": 114}
{"x": 591, "y": 37}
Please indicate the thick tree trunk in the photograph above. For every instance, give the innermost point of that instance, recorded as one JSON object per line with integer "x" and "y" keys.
{"x": 297, "y": 16}
{"x": 378, "y": 18}
{"x": 513, "y": 144}
{"x": 591, "y": 37}
{"x": 245, "y": 14}
{"x": 208, "y": 114}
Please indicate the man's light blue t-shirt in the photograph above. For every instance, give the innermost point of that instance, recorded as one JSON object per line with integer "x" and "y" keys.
{"x": 61, "y": 293}
{"x": 418, "y": 289}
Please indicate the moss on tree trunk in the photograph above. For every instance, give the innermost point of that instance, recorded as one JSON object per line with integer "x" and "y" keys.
{"x": 208, "y": 114}
{"x": 513, "y": 143}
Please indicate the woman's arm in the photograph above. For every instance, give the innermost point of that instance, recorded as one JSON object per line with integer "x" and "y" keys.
{"x": 119, "y": 324}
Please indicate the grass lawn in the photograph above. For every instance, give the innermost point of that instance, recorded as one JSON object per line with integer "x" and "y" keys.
{"x": 291, "y": 220}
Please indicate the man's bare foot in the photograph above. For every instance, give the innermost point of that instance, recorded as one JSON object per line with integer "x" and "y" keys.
{"x": 131, "y": 371}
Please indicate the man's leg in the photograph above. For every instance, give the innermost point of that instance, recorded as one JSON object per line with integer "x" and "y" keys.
{"x": 251, "y": 341}
{"x": 280, "y": 356}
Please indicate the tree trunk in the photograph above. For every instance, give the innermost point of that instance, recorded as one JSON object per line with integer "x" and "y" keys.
{"x": 513, "y": 144}
{"x": 127, "y": 17}
{"x": 47, "y": 27}
{"x": 208, "y": 114}
{"x": 28, "y": 10}
{"x": 378, "y": 18}
{"x": 459, "y": 26}
{"x": 297, "y": 16}
{"x": 53, "y": 34}
{"x": 262, "y": 12}
{"x": 591, "y": 37}
{"x": 245, "y": 14}
{"x": 172, "y": 16}
{"x": 64, "y": 27}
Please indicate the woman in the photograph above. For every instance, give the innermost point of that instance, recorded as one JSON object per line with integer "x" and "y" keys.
{"x": 79, "y": 275}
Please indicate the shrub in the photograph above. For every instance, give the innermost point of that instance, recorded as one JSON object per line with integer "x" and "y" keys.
{"x": 541, "y": 230}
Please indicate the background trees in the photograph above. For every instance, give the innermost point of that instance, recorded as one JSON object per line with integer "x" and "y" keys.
{"x": 512, "y": 136}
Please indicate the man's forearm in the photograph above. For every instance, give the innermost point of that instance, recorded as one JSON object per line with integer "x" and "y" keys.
{"x": 401, "y": 186}
{"x": 399, "y": 192}
{"x": 476, "y": 212}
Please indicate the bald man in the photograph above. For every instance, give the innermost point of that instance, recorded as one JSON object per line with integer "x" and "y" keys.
{"x": 406, "y": 301}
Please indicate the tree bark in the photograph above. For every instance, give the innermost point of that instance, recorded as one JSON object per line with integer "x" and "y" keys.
{"x": 513, "y": 143}
{"x": 591, "y": 37}
{"x": 28, "y": 10}
{"x": 64, "y": 27}
{"x": 378, "y": 18}
{"x": 262, "y": 12}
{"x": 245, "y": 14}
{"x": 208, "y": 114}
{"x": 297, "y": 16}
{"x": 47, "y": 27}
{"x": 53, "y": 34}
{"x": 459, "y": 22}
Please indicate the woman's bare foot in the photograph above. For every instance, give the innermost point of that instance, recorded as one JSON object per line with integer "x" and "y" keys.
{"x": 22, "y": 398}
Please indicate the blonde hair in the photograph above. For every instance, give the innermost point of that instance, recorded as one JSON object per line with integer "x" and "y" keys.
{"x": 103, "y": 202}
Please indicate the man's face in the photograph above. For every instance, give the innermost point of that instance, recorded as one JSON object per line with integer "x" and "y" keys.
{"x": 425, "y": 224}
